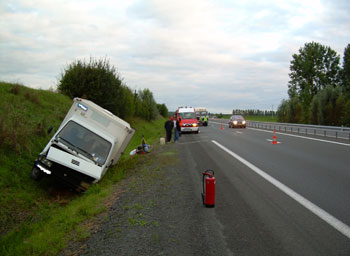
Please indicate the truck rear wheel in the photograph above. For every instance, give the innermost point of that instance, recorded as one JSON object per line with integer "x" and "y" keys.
{"x": 36, "y": 173}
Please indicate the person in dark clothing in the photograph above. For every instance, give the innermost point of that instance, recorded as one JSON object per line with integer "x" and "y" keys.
{"x": 169, "y": 125}
{"x": 177, "y": 130}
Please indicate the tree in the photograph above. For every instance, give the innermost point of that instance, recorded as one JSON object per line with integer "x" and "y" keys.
{"x": 282, "y": 112}
{"x": 327, "y": 107}
{"x": 162, "y": 109}
{"x": 148, "y": 106}
{"x": 315, "y": 67}
{"x": 345, "y": 72}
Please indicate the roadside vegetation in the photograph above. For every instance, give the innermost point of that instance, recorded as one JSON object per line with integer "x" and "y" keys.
{"x": 261, "y": 118}
{"x": 319, "y": 89}
{"x": 39, "y": 218}
{"x": 255, "y": 115}
{"x": 97, "y": 80}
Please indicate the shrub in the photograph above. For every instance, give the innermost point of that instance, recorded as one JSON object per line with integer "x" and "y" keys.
{"x": 33, "y": 97}
{"x": 15, "y": 89}
{"x": 95, "y": 80}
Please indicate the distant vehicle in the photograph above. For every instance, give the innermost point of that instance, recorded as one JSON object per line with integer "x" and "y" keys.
{"x": 89, "y": 140}
{"x": 237, "y": 121}
{"x": 202, "y": 116}
{"x": 187, "y": 119}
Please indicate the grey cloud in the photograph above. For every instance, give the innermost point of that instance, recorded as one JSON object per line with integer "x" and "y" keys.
{"x": 218, "y": 54}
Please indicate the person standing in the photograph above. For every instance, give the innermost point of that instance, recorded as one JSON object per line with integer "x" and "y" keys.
{"x": 177, "y": 129}
{"x": 169, "y": 124}
{"x": 205, "y": 121}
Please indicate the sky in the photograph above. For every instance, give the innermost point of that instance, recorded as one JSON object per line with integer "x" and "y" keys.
{"x": 218, "y": 54}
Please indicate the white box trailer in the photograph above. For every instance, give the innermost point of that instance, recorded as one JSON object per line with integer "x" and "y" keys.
{"x": 89, "y": 140}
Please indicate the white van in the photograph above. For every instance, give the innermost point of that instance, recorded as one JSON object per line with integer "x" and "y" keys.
{"x": 89, "y": 140}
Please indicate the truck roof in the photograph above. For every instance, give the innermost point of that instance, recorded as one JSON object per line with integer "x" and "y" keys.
{"x": 185, "y": 109}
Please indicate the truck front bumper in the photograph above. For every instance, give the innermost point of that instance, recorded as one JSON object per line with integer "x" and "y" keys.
{"x": 190, "y": 129}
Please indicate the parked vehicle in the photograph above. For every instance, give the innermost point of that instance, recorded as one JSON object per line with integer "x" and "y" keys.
{"x": 187, "y": 119}
{"x": 89, "y": 140}
{"x": 202, "y": 116}
{"x": 237, "y": 121}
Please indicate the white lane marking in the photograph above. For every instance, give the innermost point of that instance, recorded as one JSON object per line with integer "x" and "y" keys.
{"x": 192, "y": 142}
{"x": 334, "y": 222}
{"x": 239, "y": 132}
{"x": 298, "y": 136}
{"x": 271, "y": 141}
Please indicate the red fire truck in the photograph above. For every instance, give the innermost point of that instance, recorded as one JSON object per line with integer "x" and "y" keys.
{"x": 187, "y": 119}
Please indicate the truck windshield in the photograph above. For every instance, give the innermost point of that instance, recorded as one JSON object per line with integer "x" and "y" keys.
{"x": 188, "y": 115}
{"x": 85, "y": 142}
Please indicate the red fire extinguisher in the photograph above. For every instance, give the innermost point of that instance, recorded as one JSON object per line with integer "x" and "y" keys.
{"x": 208, "y": 195}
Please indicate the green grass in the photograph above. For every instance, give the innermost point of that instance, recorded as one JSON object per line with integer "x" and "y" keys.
{"x": 261, "y": 118}
{"x": 36, "y": 218}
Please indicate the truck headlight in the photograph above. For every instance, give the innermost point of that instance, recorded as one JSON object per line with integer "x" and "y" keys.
{"x": 46, "y": 162}
{"x": 194, "y": 125}
{"x": 234, "y": 122}
{"x": 243, "y": 122}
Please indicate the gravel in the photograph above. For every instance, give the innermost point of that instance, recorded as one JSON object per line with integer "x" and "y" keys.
{"x": 157, "y": 211}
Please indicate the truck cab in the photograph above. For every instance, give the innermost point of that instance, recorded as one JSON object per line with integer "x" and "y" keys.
{"x": 187, "y": 119}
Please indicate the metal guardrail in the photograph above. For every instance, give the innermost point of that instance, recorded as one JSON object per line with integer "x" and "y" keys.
{"x": 316, "y": 130}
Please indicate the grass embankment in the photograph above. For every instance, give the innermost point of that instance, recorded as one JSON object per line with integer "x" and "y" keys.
{"x": 38, "y": 218}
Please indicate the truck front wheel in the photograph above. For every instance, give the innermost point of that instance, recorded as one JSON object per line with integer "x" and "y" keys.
{"x": 36, "y": 174}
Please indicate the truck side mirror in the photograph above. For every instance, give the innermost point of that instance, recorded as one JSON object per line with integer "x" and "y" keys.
{"x": 50, "y": 129}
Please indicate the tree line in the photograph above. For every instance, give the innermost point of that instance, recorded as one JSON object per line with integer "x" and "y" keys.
{"x": 97, "y": 80}
{"x": 319, "y": 89}
{"x": 253, "y": 112}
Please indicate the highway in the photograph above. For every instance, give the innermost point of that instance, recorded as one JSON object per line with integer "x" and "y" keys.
{"x": 290, "y": 198}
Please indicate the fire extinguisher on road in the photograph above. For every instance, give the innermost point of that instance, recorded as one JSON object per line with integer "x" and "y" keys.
{"x": 208, "y": 195}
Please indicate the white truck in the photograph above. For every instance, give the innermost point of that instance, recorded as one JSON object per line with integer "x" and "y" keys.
{"x": 202, "y": 116}
{"x": 89, "y": 140}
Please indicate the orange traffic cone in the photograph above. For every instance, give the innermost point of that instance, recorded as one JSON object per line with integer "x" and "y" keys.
{"x": 221, "y": 127}
{"x": 274, "y": 138}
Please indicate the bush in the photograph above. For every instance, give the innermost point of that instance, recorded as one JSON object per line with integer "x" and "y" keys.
{"x": 97, "y": 81}
{"x": 327, "y": 107}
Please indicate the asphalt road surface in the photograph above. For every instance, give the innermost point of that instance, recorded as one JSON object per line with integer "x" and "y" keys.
{"x": 289, "y": 198}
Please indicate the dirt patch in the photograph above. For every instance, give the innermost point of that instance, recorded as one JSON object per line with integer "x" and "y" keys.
{"x": 132, "y": 207}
